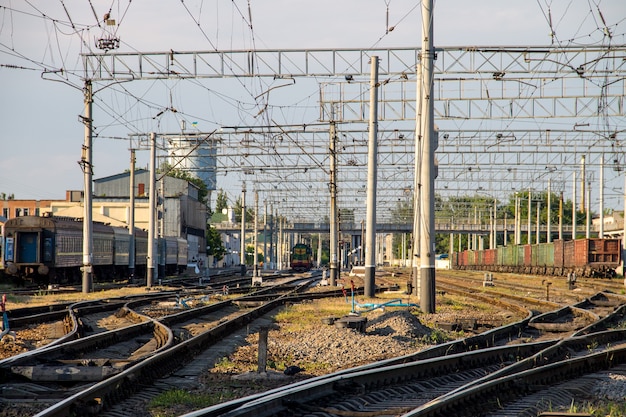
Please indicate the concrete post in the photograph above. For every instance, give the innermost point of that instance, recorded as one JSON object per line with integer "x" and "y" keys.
{"x": 372, "y": 170}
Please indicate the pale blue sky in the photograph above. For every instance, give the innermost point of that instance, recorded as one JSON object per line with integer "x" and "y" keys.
{"x": 40, "y": 132}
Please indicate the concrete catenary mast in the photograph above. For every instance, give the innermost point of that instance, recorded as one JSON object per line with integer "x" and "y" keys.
{"x": 372, "y": 162}
{"x": 87, "y": 166}
{"x": 427, "y": 223}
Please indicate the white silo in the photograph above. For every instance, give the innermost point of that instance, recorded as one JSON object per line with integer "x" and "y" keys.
{"x": 195, "y": 154}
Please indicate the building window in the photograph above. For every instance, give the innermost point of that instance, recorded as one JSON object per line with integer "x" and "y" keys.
{"x": 37, "y": 211}
{"x": 18, "y": 212}
{"x": 25, "y": 212}
{"x": 5, "y": 212}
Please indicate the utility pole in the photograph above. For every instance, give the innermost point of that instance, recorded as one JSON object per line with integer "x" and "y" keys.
{"x": 538, "y": 237}
{"x": 362, "y": 244}
{"x": 588, "y": 214}
{"x": 561, "y": 216}
{"x": 160, "y": 212}
{"x": 530, "y": 210}
{"x": 372, "y": 170}
{"x": 255, "y": 261}
{"x": 624, "y": 231}
{"x": 265, "y": 260}
{"x": 319, "y": 250}
{"x": 516, "y": 239}
{"x": 417, "y": 185}
{"x": 272, "y": 247}
{"x": 242, "y": 253}
{"x": 279, "y": 242}
{"x": 152, "y": 242}
{"x": 574, "y": 207}
{"x": 601, "y": 202}
{"x": 131, "y": 218}
{"x": 427, "y": 236}
{"x": 583, "y": 178}
{"x": 333, "y": 205}
{"x": 549, "y": 223}
{"x": 87, "y": 165}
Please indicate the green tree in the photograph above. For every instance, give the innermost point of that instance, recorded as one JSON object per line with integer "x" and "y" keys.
{"x": 221, "y": 201}
{"x": 250, "y": 255}
{"x": 237, "y": 210}
{"x": 214, "y": 243}
{"x": 203, "y": 192}
{"x": 402, "y": 214}
{"x": 541, "y": 199}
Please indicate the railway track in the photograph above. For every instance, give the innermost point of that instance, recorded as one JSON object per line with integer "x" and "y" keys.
{"x": 557, "y": 289}
{"x": 46, "y": 326}
{"x": 442, "y": 380}
{"x": 36, "y": 327}
{"x": 195, "y": 330}
{"x": 188, "y": 358}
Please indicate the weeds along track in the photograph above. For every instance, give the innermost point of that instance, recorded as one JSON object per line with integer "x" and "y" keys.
{"x": 558, "y": 289}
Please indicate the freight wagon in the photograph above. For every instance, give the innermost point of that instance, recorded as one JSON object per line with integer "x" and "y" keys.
{"x": 592, "y": 257}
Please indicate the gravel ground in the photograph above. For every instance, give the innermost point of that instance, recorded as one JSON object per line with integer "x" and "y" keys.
{"x": 318, "y": 349}
{"x": 331, "y": 348}
{"x": 323, "y": 349}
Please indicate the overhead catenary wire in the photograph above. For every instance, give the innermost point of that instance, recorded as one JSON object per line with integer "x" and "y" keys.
{"x": 140, "y": 104}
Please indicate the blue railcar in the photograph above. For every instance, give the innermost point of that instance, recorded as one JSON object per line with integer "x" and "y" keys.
{"x": 50, "y": 250}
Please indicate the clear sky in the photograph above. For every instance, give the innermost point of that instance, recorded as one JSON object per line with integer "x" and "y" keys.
{"x": 40, "y": 83}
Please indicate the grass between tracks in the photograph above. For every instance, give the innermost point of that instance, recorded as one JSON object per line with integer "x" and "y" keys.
{"x": 297, "y": 319}
{"x": 607, "y": 408}
{"x": 46, "y": 297}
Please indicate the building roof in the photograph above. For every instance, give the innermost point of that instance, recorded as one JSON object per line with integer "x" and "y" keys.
{"x": 78, "y": 212}
{"x": 121, "y": 175}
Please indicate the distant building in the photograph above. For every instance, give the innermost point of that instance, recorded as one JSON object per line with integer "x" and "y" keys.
{"x": 230, "y": 240}
{"x": 18, "y": 208}
{"x": 613, "y": 224}
{"x": 182, "y": 214}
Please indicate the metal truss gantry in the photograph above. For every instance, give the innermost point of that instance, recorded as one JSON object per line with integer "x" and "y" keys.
{"x": 509, "y": 118}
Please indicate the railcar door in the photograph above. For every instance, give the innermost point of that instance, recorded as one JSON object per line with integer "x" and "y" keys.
{"x": 27, "y": 250}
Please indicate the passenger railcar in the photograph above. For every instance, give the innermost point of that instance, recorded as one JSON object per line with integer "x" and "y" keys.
{"x": 182, "y": 255}
{"x": 2, "y": 221}
{"x": 591, "y": 257}
{"x": 50, "y": 250}
{"x": 173, "y": 255}
{"x": 301, "y": 257}
{"x": 121, "y": 251}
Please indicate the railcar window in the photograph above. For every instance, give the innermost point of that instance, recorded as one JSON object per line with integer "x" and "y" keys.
{"x": 47, "y": 249}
